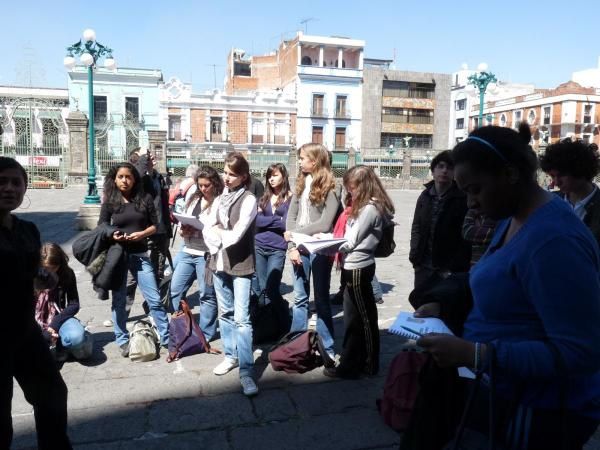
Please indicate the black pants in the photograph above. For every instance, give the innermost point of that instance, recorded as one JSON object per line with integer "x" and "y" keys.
{"x": 29, "y": 361}
{"x": 360, "y": 352}
{"x": 158, "y": 244}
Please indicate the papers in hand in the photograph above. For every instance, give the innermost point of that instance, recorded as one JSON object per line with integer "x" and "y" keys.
{"x": 409, "y": 326}
{"x": 192, "y": 221}
{"x": 324, "y": 243}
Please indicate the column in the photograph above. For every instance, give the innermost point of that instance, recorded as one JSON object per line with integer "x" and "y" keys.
{"x": 249, "y": 127}
{"x": 77, "y": 123}
{"x": 224, "y": 127}
{"x": 271, "y": 124}
{"x": 207, "y": 126}
{"x": 288, "y": 122}
{"x": 361, "y": 56}
{"x": 340, "y": 57}
{"x": 321, "y": 51}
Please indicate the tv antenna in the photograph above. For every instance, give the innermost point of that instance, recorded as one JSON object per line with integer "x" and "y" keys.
{"x": 305, "y": 23}
{"x": 214, "y": 66}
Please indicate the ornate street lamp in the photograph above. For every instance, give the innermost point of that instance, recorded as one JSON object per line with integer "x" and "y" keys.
{"x": 90, "y": 51}
{"x": 481, "y": 80}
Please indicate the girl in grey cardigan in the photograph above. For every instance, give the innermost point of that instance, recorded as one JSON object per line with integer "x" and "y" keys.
{"x": 313, "y": 209}
{"x": 370, "y": 208}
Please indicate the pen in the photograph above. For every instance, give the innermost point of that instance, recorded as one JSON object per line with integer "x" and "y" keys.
{"x": 412, "y": 331}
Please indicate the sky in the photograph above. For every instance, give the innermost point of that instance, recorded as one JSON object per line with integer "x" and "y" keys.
{"x": 527, "y": 41}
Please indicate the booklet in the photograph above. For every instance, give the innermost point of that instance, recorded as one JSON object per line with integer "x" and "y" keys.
{"x": 185, "y": 219}
{"x": 325, "y": 243}
{"x": 411, "y": 327}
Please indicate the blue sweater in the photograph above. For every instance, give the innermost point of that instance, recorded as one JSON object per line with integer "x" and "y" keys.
{"x": 544, "y": 284}
{"x": 271, "y": 226}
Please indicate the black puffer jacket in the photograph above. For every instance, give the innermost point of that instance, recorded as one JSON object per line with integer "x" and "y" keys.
{"x": 449, "y": 250}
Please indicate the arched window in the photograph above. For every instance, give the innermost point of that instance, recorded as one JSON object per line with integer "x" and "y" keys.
{"x": 531, "y": 117}
{"x": 306, "y": 61}
{"x": 503, "y": 120}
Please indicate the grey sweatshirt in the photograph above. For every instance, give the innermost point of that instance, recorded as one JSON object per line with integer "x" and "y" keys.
{"x": 321, "y": 217}
{"x": 363, "y": 235}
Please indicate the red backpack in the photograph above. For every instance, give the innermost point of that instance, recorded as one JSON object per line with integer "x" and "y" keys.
{"x": 299, "y": 352}
{"x": 401, "y": 388}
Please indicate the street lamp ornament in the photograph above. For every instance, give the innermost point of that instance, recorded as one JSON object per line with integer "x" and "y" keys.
{"x": 481, "y": 80}
{"x": 90, "y": 51}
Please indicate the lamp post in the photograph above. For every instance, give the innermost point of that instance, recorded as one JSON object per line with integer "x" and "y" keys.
{"x": 481, "y": 80}
{"x": 90, "y": 51}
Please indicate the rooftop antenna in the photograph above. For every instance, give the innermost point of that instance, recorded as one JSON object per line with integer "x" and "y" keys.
{"x": 214, "y": 66}
{"x": 305, "y": 23}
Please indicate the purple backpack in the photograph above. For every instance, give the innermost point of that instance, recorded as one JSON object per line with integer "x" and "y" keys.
{"x": 185, "y": 336}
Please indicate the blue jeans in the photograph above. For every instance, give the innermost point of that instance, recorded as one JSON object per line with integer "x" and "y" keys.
{"x": 72, "y": 333}
{"x": 143, "y": 273}
{"x": 320, "y": 265}
{"x": 233, "y": 295}
{"x": 188, "y": 268}
{"x": 269, "y": 269}
{"x": 377, "y": 292}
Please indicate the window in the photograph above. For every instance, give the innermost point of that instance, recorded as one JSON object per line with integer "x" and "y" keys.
{"x": 281, "y": 131}
{"x": 131, "y": 140}
{"x": 406, "y": 140}
{"x": 460, "y": 124}
{"x": 317, "y": 106}
{"x": 174, "y": 128}
{"x": 404, "y": 115}
{"x": 587, "y": 113}
{"x": 306, "y": 61}
{"x": 49, "y": 136}
{"x": 518, "y": 117}
{"x": 340, "y": 138}
{"x": 242, "y": 69}
{"x": 132, "y": 108}
{"x": 259, "y": 129}
{"x": 503, "y": 120}
{"x": 343, "y": 63}
{"x": 587, "y": 139}
{"x": 489, "y": 119}
{"x": 531, "y": 117}
{"x": 460, "y": 105}
{"x": 547, "y": 112}
{"x": 317, "y": 135}
{"x": 215, "y": 130}
{"x": 22, "y": 135}
{"x": 340, "y": 106}
{"x": 475, "y": 122}
{"x": 405, "y": 89}
{"x": 100, "y": 108}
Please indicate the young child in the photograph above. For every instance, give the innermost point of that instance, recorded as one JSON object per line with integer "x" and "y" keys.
{"x": 231, "y": 245}
{"x": 57, "y": 303}
{"x": 370, "y": 208}
{"x": 313, "y": 209}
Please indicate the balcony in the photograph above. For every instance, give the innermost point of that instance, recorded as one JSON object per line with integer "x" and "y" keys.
{"x": 319, "y": 112}
{"x": 329, "y": 72}
{"x": 342, "y": 114}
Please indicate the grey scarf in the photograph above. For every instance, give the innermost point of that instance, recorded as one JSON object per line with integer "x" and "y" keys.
{"x": 225, "y": 204}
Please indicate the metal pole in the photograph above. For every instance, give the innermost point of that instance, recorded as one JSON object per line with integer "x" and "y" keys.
{"x": 481, "y": 95}
{"x": 92, "y": 198}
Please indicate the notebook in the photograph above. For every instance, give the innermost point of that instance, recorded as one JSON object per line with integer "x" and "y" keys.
{"x": 409, "y": 326}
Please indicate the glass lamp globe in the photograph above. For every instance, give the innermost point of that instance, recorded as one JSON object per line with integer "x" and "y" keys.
{"x": 87, "y": 59}
{"x": 89, "y": 35}
{"x": 110, "y": 63}
{"x": 69, "y": 62}
{"x": 482, "y": 67}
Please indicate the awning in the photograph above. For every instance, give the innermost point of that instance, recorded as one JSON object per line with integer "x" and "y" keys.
{"x": 22, "y": 113}
{"x": 53, "y": 114}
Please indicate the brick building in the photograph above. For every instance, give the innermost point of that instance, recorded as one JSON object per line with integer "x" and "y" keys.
{"x": 569, "y": 110}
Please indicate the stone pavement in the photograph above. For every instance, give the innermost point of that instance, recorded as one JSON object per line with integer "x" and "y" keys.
{"x": 117, "y": 404}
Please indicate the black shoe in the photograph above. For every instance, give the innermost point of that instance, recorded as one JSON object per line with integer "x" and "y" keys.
{"x": 124, "y": 350}
{"x": 379, "y": 301}
{"x": 145, "y": 307}
{"x": 337, "y": 299}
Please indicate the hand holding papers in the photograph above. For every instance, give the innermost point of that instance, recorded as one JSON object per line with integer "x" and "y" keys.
{"x": 323, "y": 243}
{"x": 185, "y": 219}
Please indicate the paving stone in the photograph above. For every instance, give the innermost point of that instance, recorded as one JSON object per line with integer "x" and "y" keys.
{"x": 273, "y": 405}
{"x": 205, "y": 440}
{"x": 106, "y": 424}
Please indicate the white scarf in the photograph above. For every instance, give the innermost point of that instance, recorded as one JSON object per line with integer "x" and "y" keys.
{"x": 304, "y": 200}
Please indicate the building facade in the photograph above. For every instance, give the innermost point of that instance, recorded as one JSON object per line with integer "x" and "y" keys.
{"x": 569, "y": 110}
{"x": 404, "y": 109}
{"x": 126, "y": 110}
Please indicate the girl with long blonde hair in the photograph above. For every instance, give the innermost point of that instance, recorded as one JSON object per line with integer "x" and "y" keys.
{"x": 313, "y": 209}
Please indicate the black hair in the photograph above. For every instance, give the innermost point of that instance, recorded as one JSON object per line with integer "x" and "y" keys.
{"x": 11, "y": 163}
{"x": 208, "y": 173}
{"x": 114, "y": 197}
{"x": 445, "y": 156}
{"x": 492, "y": 148}
{"x": 573, "y": 158}
{"x": 285, "y": 188}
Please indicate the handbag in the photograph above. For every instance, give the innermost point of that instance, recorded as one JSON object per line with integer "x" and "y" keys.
{"x": 270, "y": 321}
{"x": 185, "y": 336}
{"x": 299, "y": 352}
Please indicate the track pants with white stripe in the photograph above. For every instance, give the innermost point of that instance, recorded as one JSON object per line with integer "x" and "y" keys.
{"x": 360, "y": 352}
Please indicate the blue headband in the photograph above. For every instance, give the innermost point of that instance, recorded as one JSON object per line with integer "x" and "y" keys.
{"x": 484, "y": 142}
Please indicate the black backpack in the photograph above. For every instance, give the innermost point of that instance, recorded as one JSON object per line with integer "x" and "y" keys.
{"x": 386, "y": 244}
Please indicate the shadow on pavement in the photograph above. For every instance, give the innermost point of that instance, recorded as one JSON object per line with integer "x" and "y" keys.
{"x": 58, "y": 227}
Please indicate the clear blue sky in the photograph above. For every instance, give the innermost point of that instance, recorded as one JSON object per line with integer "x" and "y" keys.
{"x": 527, "y": 41}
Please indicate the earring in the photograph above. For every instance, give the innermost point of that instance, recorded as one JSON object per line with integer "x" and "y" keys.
{"x": 28, "y": 204}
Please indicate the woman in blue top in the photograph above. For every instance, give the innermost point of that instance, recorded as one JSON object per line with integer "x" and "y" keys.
{"x": 536, "y": 294}
{"x": 271, "y": 247}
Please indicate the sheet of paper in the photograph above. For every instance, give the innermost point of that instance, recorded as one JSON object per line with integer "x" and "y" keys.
{"x": 192, "y": 221}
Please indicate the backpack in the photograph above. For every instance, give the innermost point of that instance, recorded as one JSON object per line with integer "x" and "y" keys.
{"x": 299, "y": 352}
{"x": 386, "y": 245}
{"x": 401, "y": 388}
{"x": 177, "y": 198}
{"x": 143, "y": 342}
{"x": 270, "y": 321}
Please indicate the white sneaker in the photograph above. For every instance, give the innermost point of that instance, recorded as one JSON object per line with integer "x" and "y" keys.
{"x": 249, "y": 386}
{"x": 227, "y": 365}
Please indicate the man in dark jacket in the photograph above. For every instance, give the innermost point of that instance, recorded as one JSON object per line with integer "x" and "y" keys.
{"x": 436, "y": 243}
